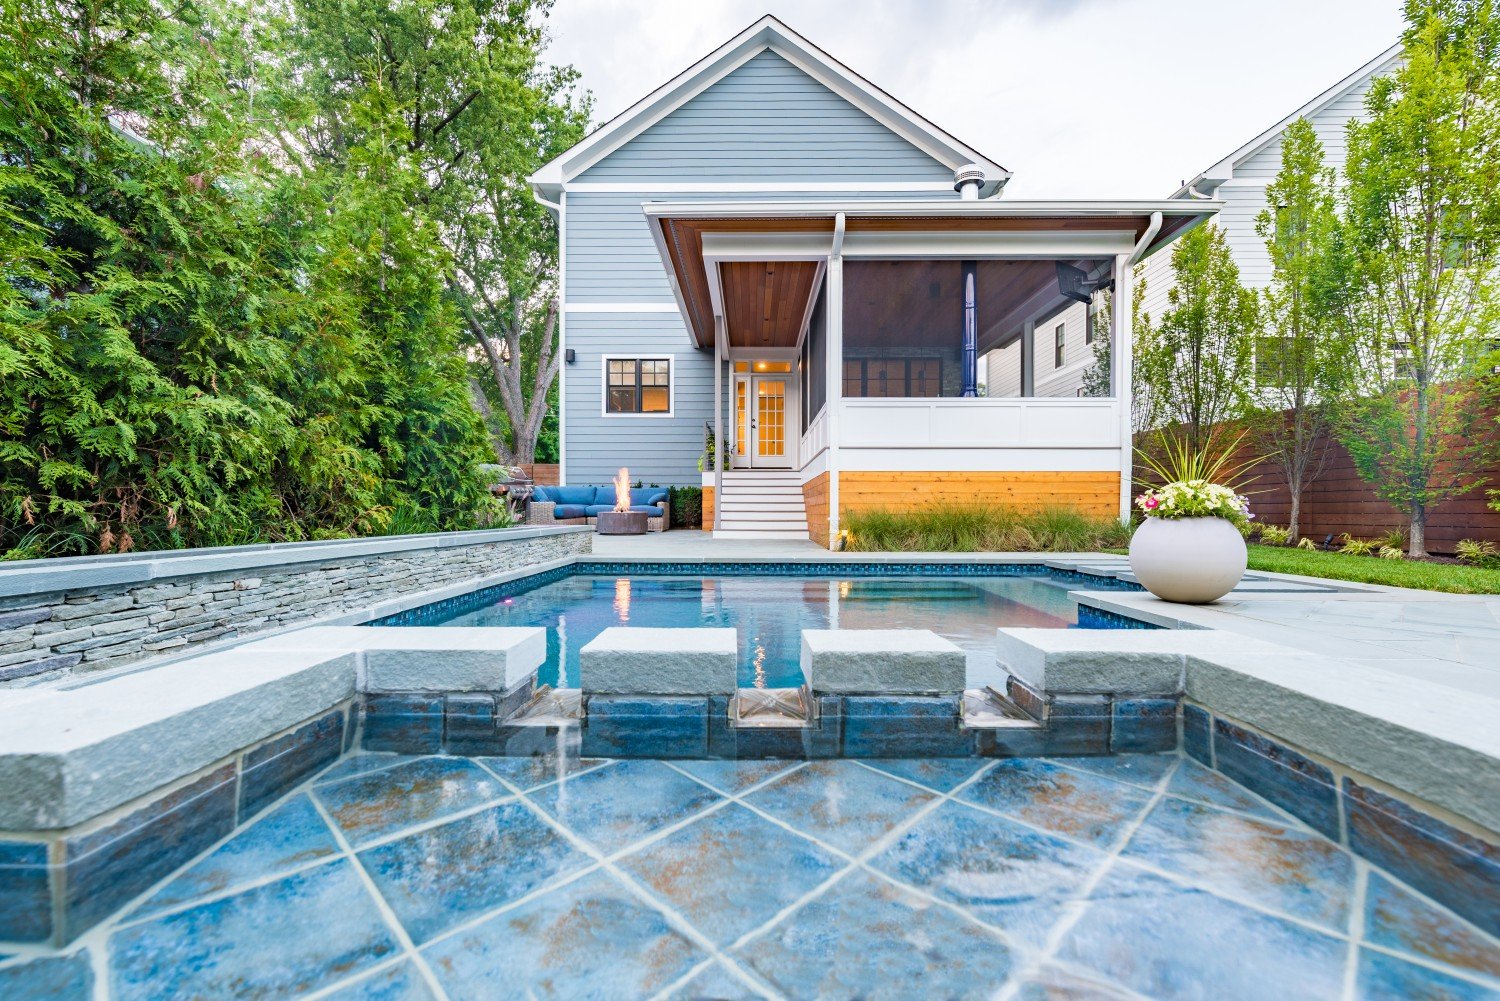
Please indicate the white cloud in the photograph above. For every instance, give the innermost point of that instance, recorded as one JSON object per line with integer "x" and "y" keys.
{"x": 1080, "y": 98}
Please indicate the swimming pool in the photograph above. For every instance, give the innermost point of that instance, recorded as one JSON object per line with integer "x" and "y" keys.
{"x": 769, "y": 610}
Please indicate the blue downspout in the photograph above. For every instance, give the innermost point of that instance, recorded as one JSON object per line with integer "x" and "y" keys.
{"x": 971, "y": 333}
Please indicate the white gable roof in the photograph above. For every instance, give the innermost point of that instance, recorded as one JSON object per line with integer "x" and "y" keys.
{"x": 1224, "y": 169}
{"x": 765, "y": 34}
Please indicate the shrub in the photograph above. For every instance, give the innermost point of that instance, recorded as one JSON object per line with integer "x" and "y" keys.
{"x": 1356, "y": 547}
{"x": 969, "y": 528}
{"x": 686, "y": 504}
{"x": 1308, "y": 544}
{"x": 1391, "y": 553}
{"x": 1479, "y": 553}
{"x": 1274, "y": 535}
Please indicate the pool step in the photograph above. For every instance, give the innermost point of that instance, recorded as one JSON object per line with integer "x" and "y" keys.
{"x": 987, "y": 709}
{"x": 761, "y": 504}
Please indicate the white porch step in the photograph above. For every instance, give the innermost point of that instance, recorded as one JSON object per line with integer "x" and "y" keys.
{"x": 767, "y": 535}
{"x": 758, "y": 516}
{"x": 739, "y": 505}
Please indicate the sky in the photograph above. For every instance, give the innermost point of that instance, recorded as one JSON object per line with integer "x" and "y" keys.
{"x": 1077, "y": 98}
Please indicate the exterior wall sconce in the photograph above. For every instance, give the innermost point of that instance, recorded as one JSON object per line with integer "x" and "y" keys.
{"x": 568, "y": 355}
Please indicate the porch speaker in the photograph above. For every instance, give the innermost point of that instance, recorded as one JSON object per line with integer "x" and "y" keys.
{"x": 1073, "y": 283}
{"x": 568, "y": 355}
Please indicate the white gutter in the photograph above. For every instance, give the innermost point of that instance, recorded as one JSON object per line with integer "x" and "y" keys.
{"x": 838, "y": 235}
{"x": 1144, "y": 243}
{"x": 833, "y": 332}
{"x": 554, "y": 207}
{"x": 931, "y": 208}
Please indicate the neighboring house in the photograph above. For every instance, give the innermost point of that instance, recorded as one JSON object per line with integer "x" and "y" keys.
{"x": 770, "y": 247}
{"x": 1239, "y": 182}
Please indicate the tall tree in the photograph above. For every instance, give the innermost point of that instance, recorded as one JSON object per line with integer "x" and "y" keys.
{"x": 1302, "y": 361}
{"x": 1197, "y": 359}
{"x": 481, "y": 113}
{"x": 1421, "y": 205}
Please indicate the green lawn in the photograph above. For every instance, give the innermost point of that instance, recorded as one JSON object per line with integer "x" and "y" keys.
{"x": 1371, "y": 570}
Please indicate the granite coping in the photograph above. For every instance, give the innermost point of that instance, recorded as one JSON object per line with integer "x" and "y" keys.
{"x": 425, "y": 658}
{"x": 1116, "y": 661}
{"x": 882, "y": 661}
{"x": 79, "y": 572}
{"x": 636, "y": 660}
{"x": 67, "y": 755}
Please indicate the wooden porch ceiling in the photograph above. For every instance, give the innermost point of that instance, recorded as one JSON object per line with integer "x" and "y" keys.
{"x": 752, "y": 323}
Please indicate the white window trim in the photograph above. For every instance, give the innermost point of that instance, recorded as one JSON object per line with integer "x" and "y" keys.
{"x": 604, "y": 361}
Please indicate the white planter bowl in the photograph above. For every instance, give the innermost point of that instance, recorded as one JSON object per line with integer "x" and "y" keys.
{"x": 1188, "y": 560}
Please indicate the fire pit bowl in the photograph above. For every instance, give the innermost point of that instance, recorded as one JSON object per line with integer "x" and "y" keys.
{"x": 620, "y": 523}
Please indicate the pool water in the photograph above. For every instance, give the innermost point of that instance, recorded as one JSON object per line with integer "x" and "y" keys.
{"x": 1104, "y": 878}
{"x": 770, "y": 612}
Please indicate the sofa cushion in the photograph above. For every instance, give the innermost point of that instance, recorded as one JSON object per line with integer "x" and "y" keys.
{"x": 572, "y": 495}
{"x": 543, "y": 495}
{"x": 647, "y": 495}
{"x": 570, "y": 511}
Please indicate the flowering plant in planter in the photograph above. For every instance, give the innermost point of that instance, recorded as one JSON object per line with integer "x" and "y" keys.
{"x": 1195, "y": 499}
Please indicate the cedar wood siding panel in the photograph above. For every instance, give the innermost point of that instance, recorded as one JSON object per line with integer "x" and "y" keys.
{"x": 768, "y": 121}
{"x": 764, "y": 122}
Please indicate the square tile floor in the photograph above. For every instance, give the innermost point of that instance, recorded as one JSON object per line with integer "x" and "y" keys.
{"x": 431, "y": 877}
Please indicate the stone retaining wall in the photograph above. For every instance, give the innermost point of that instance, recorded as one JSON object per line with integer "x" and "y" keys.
{"x": 60, "y": 630}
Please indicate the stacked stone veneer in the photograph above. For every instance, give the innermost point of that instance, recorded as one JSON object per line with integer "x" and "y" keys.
{"x": 46, "y": 635}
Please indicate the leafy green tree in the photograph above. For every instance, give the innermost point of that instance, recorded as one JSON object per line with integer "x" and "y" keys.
{"x": 1196, "y": 361}
{"x": 1303, "y": 360}
{"x": 481, "y": 112}
{"x": 1421, "y": 206}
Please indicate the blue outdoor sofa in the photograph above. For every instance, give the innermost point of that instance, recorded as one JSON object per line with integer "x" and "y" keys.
{"x": 580, "y": 505}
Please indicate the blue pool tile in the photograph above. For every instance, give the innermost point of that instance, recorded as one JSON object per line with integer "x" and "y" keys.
{"x": 1197, "y": 734}
{"x": 1452, "y": 867}
{"x": 734, "y": 777}
{"x": 1144, "y": 770}
{"x": 718, "y": 983}
{"x": 470, "y": 724}
{"x": 1009, "y": 876}
{"x": 1081, "y": 805}
{"x": 622, "y": 726}
{"x": 368, "y": 807}
{"x": 1386, "y": 978}
{"x": 864, "y": 938}
{"x": 273, "y": 769}
{"x": 1398, "y": 919}
{"x": 538, "y": 770}
{"x": 937, "y": 774}
{"x": 1052, "y": 984}
{"x": 904, "y": 726}
{"x": 1143, "y": 725}
{"x": 290, "y": 836}
{"x": 292, "y": 936}
{"x": 1194, "y": 781}
{"x": 1282, "y": 868}
{"x": 54, "y": 978}
{"x": 406, "y": 724}
{"x": 840, "y": 803}
{"x": 615, "y": 806}
{"x": 1170, "y": 941}
{"x": 590, "y": 938}
{"x": 443, "y": 876}
{"x": 360, "y": 763}
{"x": 402, "y": 982}
{"x": 730, "y": 871}
{"x": 1292, "y": 781}
{"x": 108, "y": 867}
{"x": 25, "y": 900}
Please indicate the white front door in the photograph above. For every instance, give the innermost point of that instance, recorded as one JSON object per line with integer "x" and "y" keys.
{"x": 762, "y": 421}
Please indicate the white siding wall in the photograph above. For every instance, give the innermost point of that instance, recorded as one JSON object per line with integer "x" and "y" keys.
{"x": 1004, "y": 365}
{"x": 765, "y": 122}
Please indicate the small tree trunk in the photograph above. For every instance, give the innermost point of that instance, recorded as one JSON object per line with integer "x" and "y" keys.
{"x": 1417, "y": 548}
{"x": 1294, "y": 519}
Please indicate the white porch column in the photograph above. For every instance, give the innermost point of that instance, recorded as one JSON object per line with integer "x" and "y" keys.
{"x": 1120, "y": 359}
{"x": 719, "y": 352}
{"x": 835, "y": 371}
{"x": 1028, "y": 358}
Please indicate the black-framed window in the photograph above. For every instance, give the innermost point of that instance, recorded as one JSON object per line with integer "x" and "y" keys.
{"x": 1059, "y": 345}
{"x": 638, "y": 385}
{"x": 893, "y": 377}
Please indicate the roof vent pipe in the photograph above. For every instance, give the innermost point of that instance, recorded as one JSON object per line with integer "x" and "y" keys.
{"x": 967, "y": 180}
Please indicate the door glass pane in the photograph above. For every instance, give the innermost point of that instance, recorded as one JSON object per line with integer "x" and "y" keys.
{"x": 770, "y": 402}
{"x": 741, "y": 417}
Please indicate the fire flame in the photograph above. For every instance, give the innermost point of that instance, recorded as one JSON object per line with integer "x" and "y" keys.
{"x": 622, "y": 490}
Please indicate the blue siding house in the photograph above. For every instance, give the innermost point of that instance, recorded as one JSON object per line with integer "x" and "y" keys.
{"x": 771, "y": 251}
